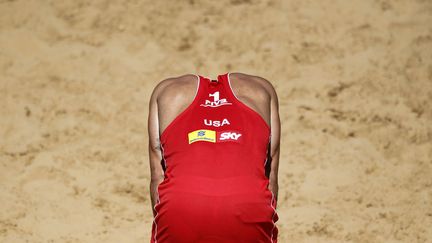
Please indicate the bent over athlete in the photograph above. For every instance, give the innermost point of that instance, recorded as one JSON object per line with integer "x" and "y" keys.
{"x": 214, "y": 155}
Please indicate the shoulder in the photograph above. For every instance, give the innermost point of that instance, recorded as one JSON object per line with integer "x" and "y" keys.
{"x": 256, "y": 81}
{"x": 172, "y": 85}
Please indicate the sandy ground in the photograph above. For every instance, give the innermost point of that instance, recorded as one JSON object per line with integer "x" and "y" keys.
{"x": 354, "y": 79}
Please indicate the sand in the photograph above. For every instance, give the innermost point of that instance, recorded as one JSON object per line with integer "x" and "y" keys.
{"x": 354, "y": 80}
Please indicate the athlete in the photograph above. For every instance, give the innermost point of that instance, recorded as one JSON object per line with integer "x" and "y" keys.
{"x": 214, "y": 155}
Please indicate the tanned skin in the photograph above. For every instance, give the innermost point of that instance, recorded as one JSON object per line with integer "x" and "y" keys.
{"x": 173, "y": 95}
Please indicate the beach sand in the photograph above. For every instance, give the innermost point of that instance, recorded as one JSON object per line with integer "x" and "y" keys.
{"x": 354, "y": 80}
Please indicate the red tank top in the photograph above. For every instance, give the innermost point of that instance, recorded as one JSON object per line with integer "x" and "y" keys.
{"x": 216, "y": 147}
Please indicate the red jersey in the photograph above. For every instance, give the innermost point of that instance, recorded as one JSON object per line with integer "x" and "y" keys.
{"x": 215, "y": 188}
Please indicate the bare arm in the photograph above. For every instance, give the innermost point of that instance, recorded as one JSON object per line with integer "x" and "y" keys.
{"x": 154, "y": 150}
{"x": 275, "y": 141}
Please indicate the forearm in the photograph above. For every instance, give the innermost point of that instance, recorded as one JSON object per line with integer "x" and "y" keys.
{"x": 154, "y": 183}
{"x": 274, "y": 188}
{"x": 273, "y": 177}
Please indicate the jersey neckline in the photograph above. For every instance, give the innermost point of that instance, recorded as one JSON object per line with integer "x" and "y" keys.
{"x": 225, "y": 80}
{"x": 220, "y": 78}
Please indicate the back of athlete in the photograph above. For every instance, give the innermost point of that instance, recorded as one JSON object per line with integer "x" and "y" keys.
{"x": 215, "y": 188}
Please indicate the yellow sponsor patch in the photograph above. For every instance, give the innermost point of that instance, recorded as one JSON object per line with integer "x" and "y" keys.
{"x": 202, "y": 135}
